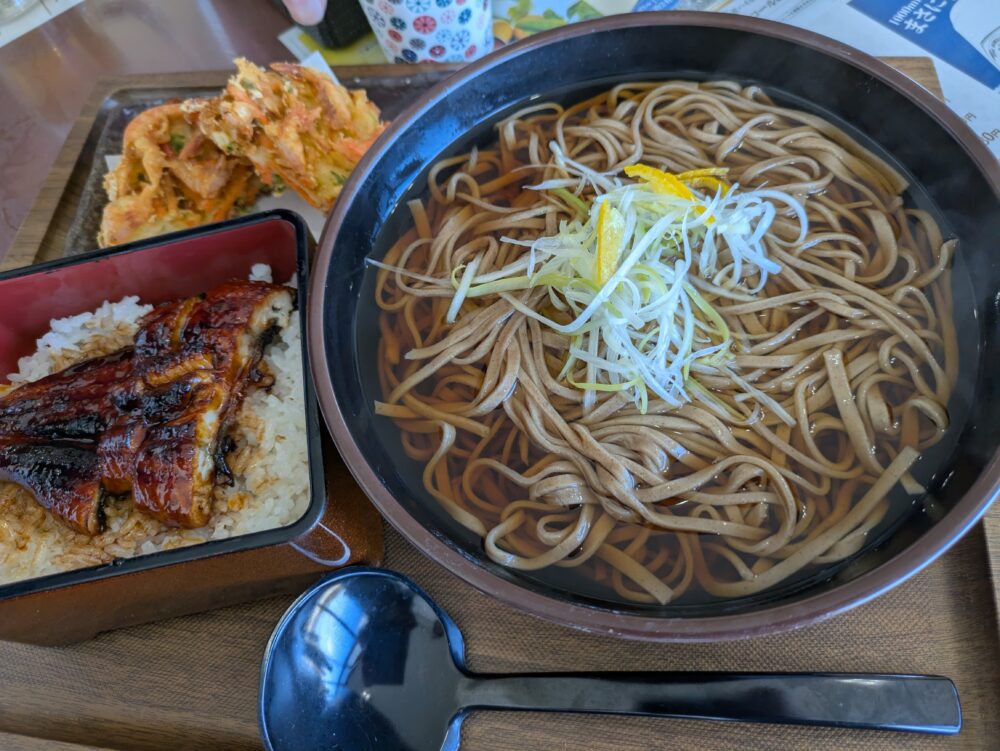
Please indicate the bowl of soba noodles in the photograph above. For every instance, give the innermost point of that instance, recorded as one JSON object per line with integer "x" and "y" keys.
{"x": 669, "y": 326}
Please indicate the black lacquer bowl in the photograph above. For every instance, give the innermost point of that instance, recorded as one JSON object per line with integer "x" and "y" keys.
{"x": 953, "y": 173}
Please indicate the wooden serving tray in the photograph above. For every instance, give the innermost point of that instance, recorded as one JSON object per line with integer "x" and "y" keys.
{"x": 192, "y": 682}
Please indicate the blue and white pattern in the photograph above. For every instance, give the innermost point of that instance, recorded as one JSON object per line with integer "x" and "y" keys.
{"x": 413, "y": 31}
{"x": 655, "y": 5}
{"x": 443, "y": 37}
{"x": 460, "y": 40}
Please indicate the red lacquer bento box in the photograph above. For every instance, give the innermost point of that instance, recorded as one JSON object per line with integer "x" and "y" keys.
{"x": 339, "y": 527}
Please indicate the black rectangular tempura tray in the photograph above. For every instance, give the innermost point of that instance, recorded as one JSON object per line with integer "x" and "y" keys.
{"x": 66, "y": 214}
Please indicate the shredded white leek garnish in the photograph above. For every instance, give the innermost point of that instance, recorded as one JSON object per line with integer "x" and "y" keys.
{"x": 623, "y": 277}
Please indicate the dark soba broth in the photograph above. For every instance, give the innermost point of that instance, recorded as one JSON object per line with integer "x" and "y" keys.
{"x": 683, "y": 560}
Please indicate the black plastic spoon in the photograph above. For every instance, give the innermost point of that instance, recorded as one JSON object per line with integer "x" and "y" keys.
{"x": 365, "y": 661}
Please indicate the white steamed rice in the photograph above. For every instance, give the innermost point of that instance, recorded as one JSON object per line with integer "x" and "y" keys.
{"x": 270, "y": 463}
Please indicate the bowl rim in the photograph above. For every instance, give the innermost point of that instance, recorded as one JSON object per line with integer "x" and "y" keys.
{"x": 783, "y": 617}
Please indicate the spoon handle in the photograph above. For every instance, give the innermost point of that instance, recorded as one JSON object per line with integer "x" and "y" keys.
{"x": 923, "y": 704}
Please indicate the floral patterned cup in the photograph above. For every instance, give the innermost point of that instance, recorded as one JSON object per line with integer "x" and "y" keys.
{"x": 439, "y": 31}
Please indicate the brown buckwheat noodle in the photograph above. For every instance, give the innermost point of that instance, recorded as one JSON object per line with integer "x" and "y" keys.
{"x": 853, "y": 340}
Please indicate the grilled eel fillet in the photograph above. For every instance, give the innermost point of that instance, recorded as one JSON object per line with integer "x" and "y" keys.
{"x": 149, "y": 419}
{"x": 48, "y": 430}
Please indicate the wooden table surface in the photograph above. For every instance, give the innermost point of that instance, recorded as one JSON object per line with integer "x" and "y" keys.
{"x": 191, "y": 682}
